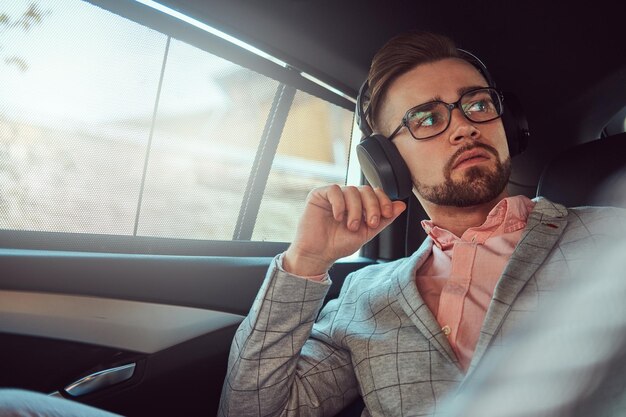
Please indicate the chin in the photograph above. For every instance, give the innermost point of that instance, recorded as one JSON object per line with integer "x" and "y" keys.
{"x": 479, "y": 185}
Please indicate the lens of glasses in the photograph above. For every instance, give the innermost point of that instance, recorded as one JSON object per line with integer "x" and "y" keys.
{"x": 430, "y": 119}
{"x": 481, "y": 105}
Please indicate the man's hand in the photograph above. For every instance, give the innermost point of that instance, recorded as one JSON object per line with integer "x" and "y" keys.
{"x": 336, "y": 222}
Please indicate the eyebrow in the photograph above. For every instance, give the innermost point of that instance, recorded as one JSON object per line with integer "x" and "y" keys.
{"x": 460, "y": 92}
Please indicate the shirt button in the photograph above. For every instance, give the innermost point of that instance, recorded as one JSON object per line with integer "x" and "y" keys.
{"x": 446, "y": 330}
{"x": 474, "y": 239}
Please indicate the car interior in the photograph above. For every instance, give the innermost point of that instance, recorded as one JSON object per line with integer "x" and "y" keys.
{"x": 155, "y": 156}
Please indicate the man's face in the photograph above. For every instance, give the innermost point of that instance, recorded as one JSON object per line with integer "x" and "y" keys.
{"x": 466, "y": 165}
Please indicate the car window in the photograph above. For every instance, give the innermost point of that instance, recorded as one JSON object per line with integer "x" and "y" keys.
{"x": 109, "y": 127}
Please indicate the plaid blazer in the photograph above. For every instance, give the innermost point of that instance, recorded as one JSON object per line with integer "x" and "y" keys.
{"x": 378, "y": 339}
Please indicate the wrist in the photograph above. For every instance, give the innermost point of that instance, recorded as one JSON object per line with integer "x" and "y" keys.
{"x": 297, "y": 263}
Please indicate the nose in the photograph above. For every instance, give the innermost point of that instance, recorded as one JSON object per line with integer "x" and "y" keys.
{"x": 461, "y": 128}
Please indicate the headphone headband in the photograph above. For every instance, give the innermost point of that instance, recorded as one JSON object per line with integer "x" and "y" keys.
{"x": 361, "y": 111}
{"x": 478, "y": 64}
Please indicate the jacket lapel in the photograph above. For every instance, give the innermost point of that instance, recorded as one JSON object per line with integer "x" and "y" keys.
{"x": 546, "y": 223}
{"x": 414, "y": 306}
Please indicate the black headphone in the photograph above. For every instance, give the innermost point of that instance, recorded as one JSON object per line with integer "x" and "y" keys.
{"x": 381, "y": 162}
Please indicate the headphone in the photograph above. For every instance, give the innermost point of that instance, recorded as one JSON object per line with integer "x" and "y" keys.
{"x": 381, "y": 161}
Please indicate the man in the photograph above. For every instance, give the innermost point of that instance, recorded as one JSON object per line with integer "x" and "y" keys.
{"x": 406, "y": 333}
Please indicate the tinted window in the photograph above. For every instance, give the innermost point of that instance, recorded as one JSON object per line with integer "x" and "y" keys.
{"x": 110, "y": 127}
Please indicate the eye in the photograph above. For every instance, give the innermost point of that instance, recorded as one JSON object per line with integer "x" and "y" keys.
{"x": 484, "y": 105}
{"x": 419, "y": 120}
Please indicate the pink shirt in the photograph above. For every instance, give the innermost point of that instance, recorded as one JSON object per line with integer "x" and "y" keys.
{"x": 458, "y": 280}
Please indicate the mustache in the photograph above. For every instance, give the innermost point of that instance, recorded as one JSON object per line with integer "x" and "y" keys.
{"x": 469, "y": 147}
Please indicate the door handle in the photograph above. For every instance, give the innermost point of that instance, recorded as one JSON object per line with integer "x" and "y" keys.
{"x": 100, "y": 380}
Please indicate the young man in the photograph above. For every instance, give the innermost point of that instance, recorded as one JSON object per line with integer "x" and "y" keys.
{"x": 406, "y": 333}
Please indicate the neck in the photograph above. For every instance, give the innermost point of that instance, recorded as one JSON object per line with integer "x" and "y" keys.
{"x": 458, "y": 219}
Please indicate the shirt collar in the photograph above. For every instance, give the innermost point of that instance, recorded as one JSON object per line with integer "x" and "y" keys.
{"x": 509, "y": 215}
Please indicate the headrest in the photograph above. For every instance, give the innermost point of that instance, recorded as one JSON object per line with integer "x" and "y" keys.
{"x": 593, "y": 173}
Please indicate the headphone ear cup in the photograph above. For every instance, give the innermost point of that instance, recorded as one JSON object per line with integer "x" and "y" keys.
{"x": 515, "y": 124}
{"x": 384, "y": 167}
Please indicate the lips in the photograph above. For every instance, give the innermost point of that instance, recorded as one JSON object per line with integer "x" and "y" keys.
{"x": 476, "y": 153}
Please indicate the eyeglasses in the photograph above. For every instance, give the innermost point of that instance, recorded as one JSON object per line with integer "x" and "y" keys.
{"x": 430, "y": 119}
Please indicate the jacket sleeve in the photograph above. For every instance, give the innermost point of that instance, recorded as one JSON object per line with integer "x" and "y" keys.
{"x": 275, "y": 367}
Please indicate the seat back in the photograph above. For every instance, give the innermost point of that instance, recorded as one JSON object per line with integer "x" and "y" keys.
{"x": 593, "y": 173}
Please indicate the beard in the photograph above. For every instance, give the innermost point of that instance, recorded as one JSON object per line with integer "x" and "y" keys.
{"x": 478, "y": 186}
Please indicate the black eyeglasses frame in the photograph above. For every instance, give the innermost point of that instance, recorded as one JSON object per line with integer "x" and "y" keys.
{"x": 450, "y": 107}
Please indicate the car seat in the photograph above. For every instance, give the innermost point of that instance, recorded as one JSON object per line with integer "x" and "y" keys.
{"x": 593, "y": 173}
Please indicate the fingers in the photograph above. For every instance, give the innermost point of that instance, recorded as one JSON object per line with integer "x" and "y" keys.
{"x": 385, "y": 202}
{"x": 354, "y": 207}
{"x": 372, "y": 205}
{"x": 397, "y": 207}
{"x": 337, "y": 202}
{"x": 360, "y": 205}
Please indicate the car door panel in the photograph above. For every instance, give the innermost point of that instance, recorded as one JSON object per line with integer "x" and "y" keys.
{"x": 67, "y": 315}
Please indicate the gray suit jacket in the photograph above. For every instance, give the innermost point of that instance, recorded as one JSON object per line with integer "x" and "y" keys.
{"x": 379, "y": 339}
{"x": 569, "y": 360}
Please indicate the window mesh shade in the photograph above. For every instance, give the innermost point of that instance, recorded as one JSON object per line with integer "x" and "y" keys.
{"x": 75, "y": 118}
{"x": 109, "y": 127}
{"x": 313, "y": 151}
{"x": 207, "y": 132}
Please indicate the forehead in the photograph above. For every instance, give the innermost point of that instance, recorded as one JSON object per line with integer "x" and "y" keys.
{"x": 432, "y": 81}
